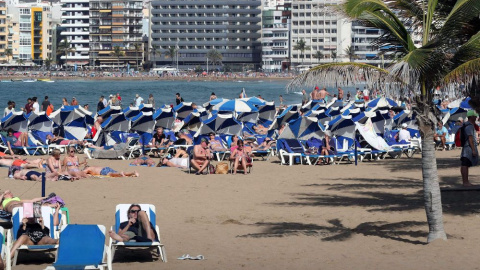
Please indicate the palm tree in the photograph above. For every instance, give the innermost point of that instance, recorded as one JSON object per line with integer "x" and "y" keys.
{"x": 117, "y": 52}
{"x": 334, "y": 56}
{"x": 350, "y": 53}
{"x": 302, "y": 47}
{"x": 170, "y": 53}
{"x": 20, "y": 62}
{"x": 8, "y": 53}
{"x": 65, "y": 48}
{"x": 215, "y": 57}
{"x": 318, "y": 55}
{"x": 48, "y": 62}
{"x": 155, "y": 52}
{"x": 449, "y": 54}
{"x": 137, "y": 47}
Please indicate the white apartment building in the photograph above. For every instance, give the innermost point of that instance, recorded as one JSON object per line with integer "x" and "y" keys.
{"x": 276, "y": 39}
{"x": 75, "y": 21}
{"x": 272, "y": 4}
{"x": 365, "y": 52}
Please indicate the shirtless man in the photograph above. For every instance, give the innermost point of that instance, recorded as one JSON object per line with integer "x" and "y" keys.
{"x": 107, "y": 171}
{"x": 322, "y": 94}
{"x": 33, "y": 175}
{"x": 340, "y": 93}
{"x": 313, "y": 94}
{"x": 201, "y": 157}
{"x": 23, "y": 163}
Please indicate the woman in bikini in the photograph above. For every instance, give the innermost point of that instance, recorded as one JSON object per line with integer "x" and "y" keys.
{"x": 54, "y": 166}
{"x": 214, "y": 144}
{"x": 9, "y": 202}
{"x": 143, "y": 160}
{"x": 72, "y": 164}
{"x": 241, "y": 157}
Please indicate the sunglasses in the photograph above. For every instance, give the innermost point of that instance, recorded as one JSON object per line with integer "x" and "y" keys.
{"x": 134, "y": 211}
{"x": 72, "y": 151}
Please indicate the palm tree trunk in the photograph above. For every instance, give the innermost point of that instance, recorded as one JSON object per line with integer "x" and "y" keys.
{"x": 431, "y": 188}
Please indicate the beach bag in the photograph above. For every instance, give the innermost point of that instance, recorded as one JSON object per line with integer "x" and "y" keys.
{"x": 11, "y": 169}
{"x": 64, "y": 177}
{"x": 222, "y": 168}
{"x": 211, "y": 169}
{"x": 460, "y": 137}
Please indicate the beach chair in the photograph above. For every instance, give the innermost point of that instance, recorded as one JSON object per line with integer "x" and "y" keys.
{"x": 30, "y": 150}
{"x": 4, "y": 252}
{"x": 47, "y": 215}
{"x": 121, "y": 216}
{"x": 42, "y": 138}
{"x": 82, "y": 247}
{"x": 291, "y": 150}
{"x": 117, "y": 152}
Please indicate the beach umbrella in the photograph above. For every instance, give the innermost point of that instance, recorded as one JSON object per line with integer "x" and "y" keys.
{"x": 457, "y": 113}
{"x": 192, "y": 122}
{"x": 313, "y": 105}
{"x": 266, "y": 113}
{"x": 254, "y": 101}
{"x": 370, "y": 136}
{"x": 183, "y": 110}
{"x": 376, "y": 118}
{"x": 286, "y": 116}
{"x": 354, "y": 112}
{"x": 144, "y": 107}
{"x": 336, "y": 103}
{"x": 381, "y": 103}
{"x": 203, "y": 114}
{"x": 342, "y": 126}
{"x": 235, "y": 105}
{"x": 164, "y": 117}
{"x": 303, "y": 128}
{"x": 248, "y": 117}
{"x": 131, "y": 112}
{"x": 224, "y": 124}
{"x": 209, "y": 105}
{"x": 109, "y": 110}
{"x": 408, "y": 117}
{"x": 333, "y": 111}
{"x": 72, "y": 122}
{"x": 464, "y": 104}
{"x": 39, "y": 121}
{"x": 16, "y": 121}
{"x": 143, "y": 123}
{"x": 116, "y": 122}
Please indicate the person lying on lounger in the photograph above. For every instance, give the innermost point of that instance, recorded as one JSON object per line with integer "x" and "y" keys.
{"x": 9, "y": 202}
{"x": 59, "y": 140}
{"x": 11, "y": 140}
{"x": 260, "y": 129}
{"x": 137, "y": 228}
{"x": 107, "y": 171}
{"x": 143, "y": 160}
{"x": 33, "y": 175}
{"x": 214, "y": 144}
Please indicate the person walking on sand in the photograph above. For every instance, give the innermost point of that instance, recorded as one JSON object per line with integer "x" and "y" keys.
{"x": 469, "y": 155}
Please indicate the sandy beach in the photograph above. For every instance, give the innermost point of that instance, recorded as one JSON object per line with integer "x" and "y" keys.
{"x": 281, "y": 217}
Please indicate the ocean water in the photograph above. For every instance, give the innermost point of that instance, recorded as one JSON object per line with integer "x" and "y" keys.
{"x": 88, "y": 92}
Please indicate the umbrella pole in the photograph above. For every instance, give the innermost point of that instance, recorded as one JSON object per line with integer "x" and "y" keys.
{"x": 43, "y": 184}
{"x": 356, "y": 155}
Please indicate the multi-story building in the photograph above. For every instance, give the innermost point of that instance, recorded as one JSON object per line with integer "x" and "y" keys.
{"x": 325, "y": 32}
{"x": 13, "y": 36}
{"x": 365, "y": 52}
{"x": 197, "y": 27}
{"x": 116, "y": 23}
{"x": 34, "y": 22}
{"x": 272, "y": 4}
{"x": 276, "y": 38}
{"x": 75, "y": 30}
{"x": 3, "y": 31}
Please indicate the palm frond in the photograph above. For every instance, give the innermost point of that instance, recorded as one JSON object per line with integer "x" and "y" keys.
{"x": 377, "y": 14}
{"x": 459, "y": 17}
{"x": 465, "y": 73}
{"x": 469, "y": 50}
{"x": 432, "y": 5}
{"x": 338, "y": 74}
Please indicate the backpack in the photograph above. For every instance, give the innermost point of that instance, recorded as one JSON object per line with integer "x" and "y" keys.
{"x": 460, "y": 137}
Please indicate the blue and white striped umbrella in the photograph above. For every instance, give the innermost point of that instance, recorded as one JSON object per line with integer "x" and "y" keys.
{"x": 143, "y": 123}
{"x": 109, "y": 110}
{"x": 16, "y": 121}
{"x": 342, "y": 126}
{"x": 164, "y": 117}
{"x": 72, "y": 122}
{"x": 116, "y": 122}
{"x": 381, "y": 103}
{"x": 322, "y": 117}
{"x": 333, "y": 111}
{"x": 313, "y": 105}
{"x": 457, "y": 113}
{"x": 183, "y": 110}
{"x": 377, "y": 119}
{"x": 235, "y": 105}
{"x": 266, "y": 114}
{"x": 192, "y": 122}
{"x": 303, "y": 128}
{"x": 131, "y": 112}
{"x": 354, "y": 112}
{"x": 286, "y": 116}
{"x": 209, "y": 105}
{"x": 248, "y": 117}
{"x": 39, "y": 121}
{"x": 145, "y": 107}
{"x": 254, "y": 101}
{"x": 407, "y": 117}
{"x": 224, "y": 124}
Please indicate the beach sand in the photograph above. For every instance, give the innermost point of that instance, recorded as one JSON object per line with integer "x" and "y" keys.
{"x": 281, "y": 217}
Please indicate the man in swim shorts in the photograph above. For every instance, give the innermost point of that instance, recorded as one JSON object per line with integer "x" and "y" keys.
{"x": 107, "y": 171}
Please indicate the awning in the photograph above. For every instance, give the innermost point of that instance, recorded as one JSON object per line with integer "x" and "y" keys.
{"x": 370, "y": 55}
{"x": 105, "y": 10}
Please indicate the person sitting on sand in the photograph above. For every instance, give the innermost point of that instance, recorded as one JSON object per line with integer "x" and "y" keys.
{"x": 107, "y": 171}
{"x": 9, "y": 202}
{"x": 72, "y": 164}
{"x": 201, "y": 157}
{"x": 33, "y": 175}
{"x": 54, "y": 166}
{"x": 137, "y": 228}
{"x": 33, "y": 232}
{"x": 143, "y": 160}
{"x": 241, "y": 157}
{"x": 214, "y": 144}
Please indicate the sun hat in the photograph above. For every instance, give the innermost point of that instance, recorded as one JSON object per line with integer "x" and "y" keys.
{"x": 472, "y": 113}
{"x": 404, "y": 125}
